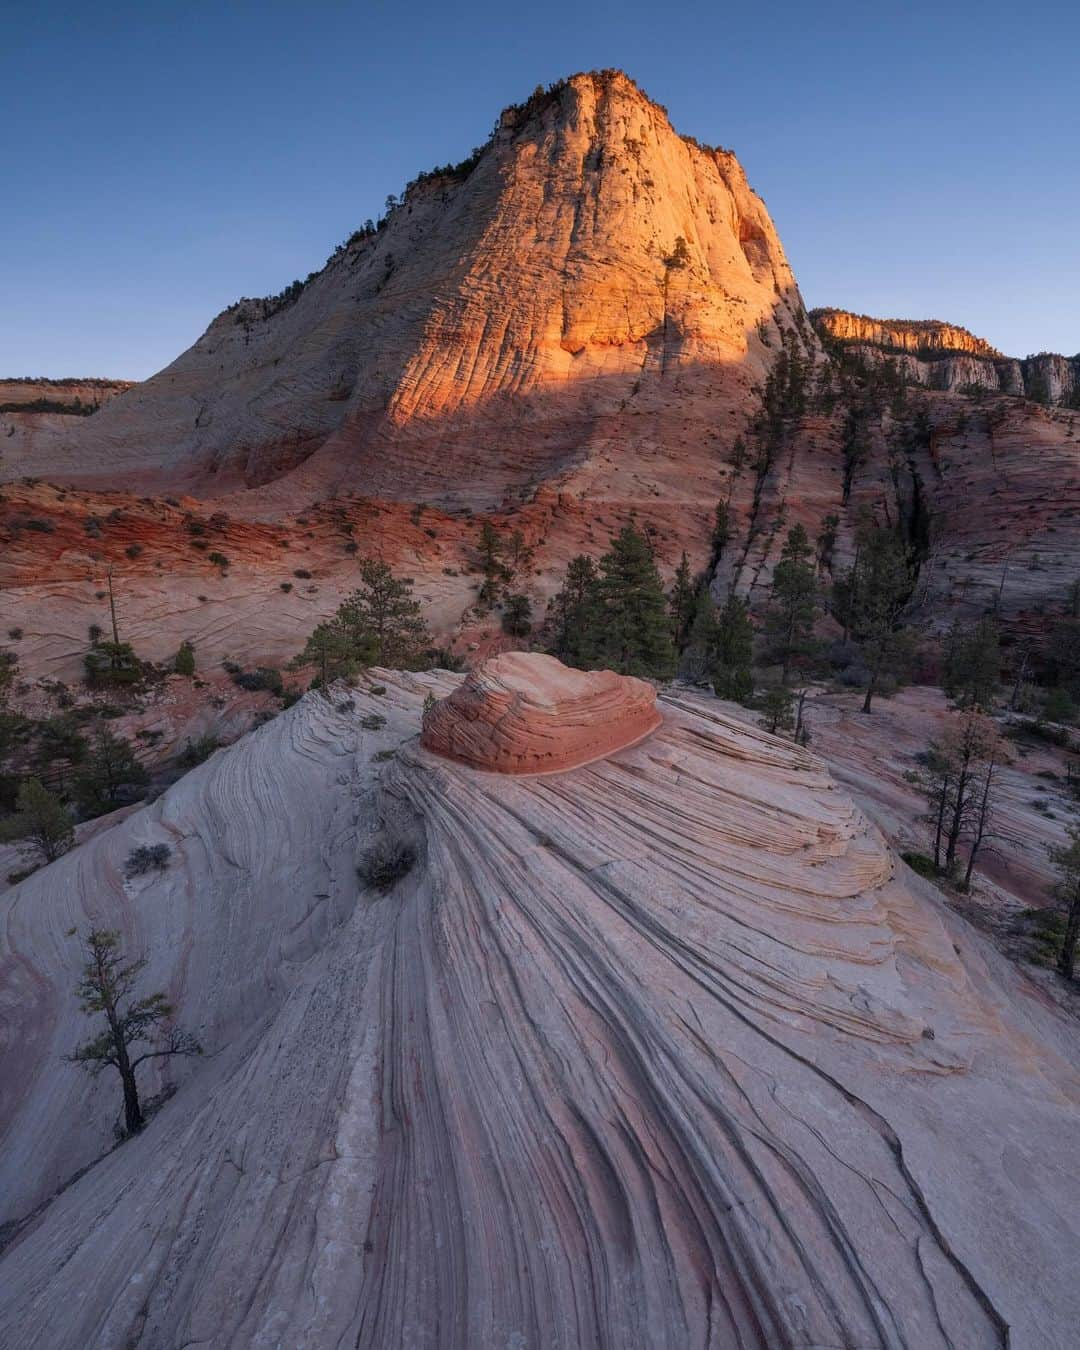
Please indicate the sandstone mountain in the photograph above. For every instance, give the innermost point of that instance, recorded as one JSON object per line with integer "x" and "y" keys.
{"x": 665, "y": 1051}
{"x": 475, "y": 344}
{"x": 580, "y": 323}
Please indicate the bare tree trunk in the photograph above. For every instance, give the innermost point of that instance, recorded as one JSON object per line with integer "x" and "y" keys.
{"x": 943, "y": 801}
{"x": 1067, "y": 959}
{"x": 799, "y": 716}
{"x": 1019, "y": 679}
{"x": 981, "y": 824}
{"x": 956, "y": 825}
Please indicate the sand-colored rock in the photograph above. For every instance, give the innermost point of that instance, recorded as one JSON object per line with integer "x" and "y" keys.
{"x": 946, "y": 356}
{"x": 905, "y": 335}
{"x": 664, "y": 1051}
{"x": 528, "y": 713}
{"x": 489, "y": 325}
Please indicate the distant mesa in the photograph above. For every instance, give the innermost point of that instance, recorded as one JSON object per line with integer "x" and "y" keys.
{"x": 525, "y": 713}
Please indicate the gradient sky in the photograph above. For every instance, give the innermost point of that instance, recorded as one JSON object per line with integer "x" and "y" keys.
{"x": 161, "y": 160}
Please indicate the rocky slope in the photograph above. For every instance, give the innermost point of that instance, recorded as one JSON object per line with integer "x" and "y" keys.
{"x": 669, "y": 1050}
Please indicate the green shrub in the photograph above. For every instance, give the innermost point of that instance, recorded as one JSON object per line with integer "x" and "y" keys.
{"x": 921, "y": 863}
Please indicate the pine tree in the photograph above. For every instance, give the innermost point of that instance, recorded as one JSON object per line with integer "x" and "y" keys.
{"x": 517, "y": 615}
{"x": 110, "y": 777}
{"x": 575, "y": 611}
{"x": 721, "y": 532}
{"x": 777, "y": 709}
{"x": 490, "y": 547}
{"x": 378, "y": 624}
{"x": 789, "y": 622}
{"x": 873, "y": 595}
{"x": 1066, "y": 860}
{"x": 733, "y": 651}
{"x": 972, "y": 670}
{"x": 61, "y": 747}
{"x": 682, "y": 602}
{"x": 700, "y": 650}
{"x": 635, "y": 635}
{"x": 41, "y": 822}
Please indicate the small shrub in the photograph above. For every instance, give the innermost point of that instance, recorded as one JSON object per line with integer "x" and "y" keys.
{"x": 302, "y": 573}
{"x": 921, "y": 863}
{"x": 377, "y": 689}
{"x": 15, "y": 634}
{"x": 385, "y": 863}
{"x": 218, "y": 559}
{"x": 196, "y": 751}
{"x": 133, "y": 550}
{"x": 147, "y": 858}
{"x": 184, "y": 661}
{"x": 383, "y": 755}
{"x": 266, "y": 677}
{"x": 373, "y": 722}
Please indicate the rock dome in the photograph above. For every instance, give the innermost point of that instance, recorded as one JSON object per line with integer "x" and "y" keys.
{"x": 523, "y": 712}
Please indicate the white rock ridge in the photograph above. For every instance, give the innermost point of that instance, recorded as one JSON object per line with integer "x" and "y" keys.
{"x": 664, "y": 1051}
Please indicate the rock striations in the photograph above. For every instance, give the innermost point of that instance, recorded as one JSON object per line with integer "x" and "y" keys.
{"x": 476, "y": 342}
{"x": 667, "y": 1050}
{"x": 527, "y": 713}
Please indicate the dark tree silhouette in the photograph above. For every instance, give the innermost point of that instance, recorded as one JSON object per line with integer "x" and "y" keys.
{"x": 107, "y": 986}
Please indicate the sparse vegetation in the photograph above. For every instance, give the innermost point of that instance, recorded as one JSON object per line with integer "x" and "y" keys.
{"x": 147, "y": 858}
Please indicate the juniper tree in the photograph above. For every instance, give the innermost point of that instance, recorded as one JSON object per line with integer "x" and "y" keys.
{"x": 108, "y": 986}
{"x": 184, "y": 661}
{"x": 777, "y": 709}
{"x": 41, "y": 822}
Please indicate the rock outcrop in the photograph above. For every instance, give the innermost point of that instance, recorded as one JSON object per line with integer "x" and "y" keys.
{"x": 668, "y": 1050}
{"x": 901, "y": 335}
{"x": 58, "y": 396}
{"x": 527, "y": 713}
{"x": 945, "y": 356}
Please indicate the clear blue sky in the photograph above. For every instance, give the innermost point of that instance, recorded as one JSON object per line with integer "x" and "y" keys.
{"x": 160, "y": 160}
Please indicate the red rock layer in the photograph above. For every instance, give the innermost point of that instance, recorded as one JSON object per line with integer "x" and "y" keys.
{"x": 527, "y": 713}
